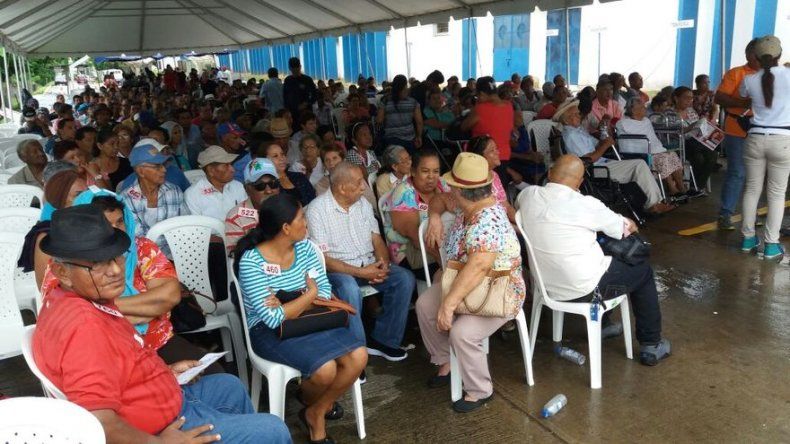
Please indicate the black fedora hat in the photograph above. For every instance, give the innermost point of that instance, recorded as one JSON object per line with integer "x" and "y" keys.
{"x": 82, "y": 232}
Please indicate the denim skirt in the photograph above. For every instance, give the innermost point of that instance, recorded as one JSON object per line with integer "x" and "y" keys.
{"x": 305, "y": 353}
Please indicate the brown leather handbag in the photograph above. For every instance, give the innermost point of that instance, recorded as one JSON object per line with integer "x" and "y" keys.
{"x": 488, "y": 299}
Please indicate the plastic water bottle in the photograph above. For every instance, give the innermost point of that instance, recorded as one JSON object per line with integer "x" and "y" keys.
{"x": 554, "y": 405}
{"x": 569, "y": 354}
{"x": 603, "y": 130}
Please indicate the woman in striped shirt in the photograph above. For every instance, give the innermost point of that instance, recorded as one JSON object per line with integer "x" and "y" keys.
{"x": 276, "y": 256}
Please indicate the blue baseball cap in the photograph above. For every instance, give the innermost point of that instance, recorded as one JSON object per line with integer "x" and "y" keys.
{"x": 228, "y": 128}
{"x": 146, "y": 153}
{"x": 257, "y": 168}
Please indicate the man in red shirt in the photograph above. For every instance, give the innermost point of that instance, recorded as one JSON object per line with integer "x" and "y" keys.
{"x": 734, "y": 136}
{"x": 88, "y": 349}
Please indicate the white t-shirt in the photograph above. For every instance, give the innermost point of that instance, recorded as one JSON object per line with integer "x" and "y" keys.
{"x": 204, "y": 199}
{"x": 643, "y": 127}
{"x": 778, "y": 115}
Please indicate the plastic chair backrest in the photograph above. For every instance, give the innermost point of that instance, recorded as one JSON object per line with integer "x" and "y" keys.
{"x": 319, "y": 253}
{"x": 4, "y": 176}
{"x": 539, "y": 131}
{"x": 421, "y": 235}
{"x": 534, "y": 269}
{"x": 27, "y": 351}
{"x": 45, "y": 420}
{"x": 15, "y": 196}
{"x": 528, "y": 116}
{"x": 14, "y": 169}
{"x": 11, "y": 324}
{"x": 339, "y": 122}
{"x": 18, "y": 220}
{"x": 372, "y": 183}
{"x": 188, "y": 238}
{"x": 194, "y": 175}
{"x": 12, "y": 160}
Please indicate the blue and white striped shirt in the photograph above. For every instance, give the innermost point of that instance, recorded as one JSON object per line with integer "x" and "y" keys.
{"x": 255, "y": 282}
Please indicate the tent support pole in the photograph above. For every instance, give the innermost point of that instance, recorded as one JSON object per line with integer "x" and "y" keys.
{"x": 3, "y": 101}
{"x": 567, "y": 48}
{"x": 7, "y": 83}
{"x": 723, "y": 36}
{"x": 359, "y": 54}
{"x": 406, "y": 46}
{"x": 18, "y": 84}
{"x": 29, "y": 77}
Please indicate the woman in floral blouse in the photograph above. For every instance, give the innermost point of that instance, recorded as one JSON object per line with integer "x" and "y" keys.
{"x": 484, "y": 241}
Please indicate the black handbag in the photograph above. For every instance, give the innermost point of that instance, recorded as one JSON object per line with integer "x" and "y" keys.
{"x": 324, "y": 315}
{"x": 188, "y": 315}
{"x": 633, "y": 250}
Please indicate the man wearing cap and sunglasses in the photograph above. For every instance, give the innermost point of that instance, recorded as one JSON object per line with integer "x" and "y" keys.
{"x": 261, "y": 182}
{"x": 91, "y": 352}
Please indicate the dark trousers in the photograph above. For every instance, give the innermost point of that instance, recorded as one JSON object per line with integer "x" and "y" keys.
{"x": 179, "y": 349}
{"x": 702, "y": 160}
{"x": 639, "y": 283}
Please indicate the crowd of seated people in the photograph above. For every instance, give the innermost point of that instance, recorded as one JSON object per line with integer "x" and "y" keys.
{"x": 278, "y": 170}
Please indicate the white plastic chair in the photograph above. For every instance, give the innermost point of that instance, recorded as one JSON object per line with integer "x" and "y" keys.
{"x": 188, "y": 238}
{"x": 14, "y": 169}
{"x": 193, "y": 176}
{"x": 278, "y": 375}
{"x": 338, "y": 123}
{"x": 541, "y": 298}
{"x": 528, "y": 116}
{"x": 50, "y": 390}
{"x": 14, "y": 196}
{"x": 372, "y": 183}
{"x": 456, "y": 384}
{"x": 21, "y": 220}
{"x": 11, "y": 326}
{"x": 44, "y": 420}
{"x": 540, "y": 130}
{"x": 12, "y": 160}
{"x": 4, "y": 176}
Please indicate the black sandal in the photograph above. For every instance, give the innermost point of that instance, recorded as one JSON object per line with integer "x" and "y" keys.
{"x": 336, "y": 413}
{"x": 303, "y": 419}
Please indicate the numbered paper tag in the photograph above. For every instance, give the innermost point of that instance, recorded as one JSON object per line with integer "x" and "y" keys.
{"x": 422, "y": 206}
{"x": 271, "y": 269}
{"x": 208, "y": 191}
{"x": 248, "y": 212}
{"x": 108, "y": 310}
{"x": 323, "y": 247}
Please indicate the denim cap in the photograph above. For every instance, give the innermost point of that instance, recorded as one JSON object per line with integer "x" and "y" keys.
{"x": 228, "y": 128}
{"x": 146, "y": 153}
{"x": 258, "y": 168}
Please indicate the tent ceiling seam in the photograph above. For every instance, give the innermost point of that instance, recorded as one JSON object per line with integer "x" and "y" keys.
{"x": 210, "y": 24}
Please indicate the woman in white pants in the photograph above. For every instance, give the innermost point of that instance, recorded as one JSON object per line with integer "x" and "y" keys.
{"x": 767, "y": 149}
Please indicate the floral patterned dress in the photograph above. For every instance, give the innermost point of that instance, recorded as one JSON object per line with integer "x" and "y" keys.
{"x": 490, "y": 231}
{"x": 151, "y": 264}
{"x": 404, "y": 197}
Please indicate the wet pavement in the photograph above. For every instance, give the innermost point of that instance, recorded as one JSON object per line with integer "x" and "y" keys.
{"x": 728, "y": 380}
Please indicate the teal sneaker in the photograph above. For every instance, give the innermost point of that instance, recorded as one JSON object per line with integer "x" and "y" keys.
{"x": 773, "y": 251}
{"x": 749, "y": 244}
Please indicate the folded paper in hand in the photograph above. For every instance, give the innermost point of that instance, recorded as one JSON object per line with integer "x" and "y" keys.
{"x": 205, "y": 361}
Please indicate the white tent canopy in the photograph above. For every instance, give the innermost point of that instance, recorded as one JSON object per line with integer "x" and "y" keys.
{"x": 105, "y": 27}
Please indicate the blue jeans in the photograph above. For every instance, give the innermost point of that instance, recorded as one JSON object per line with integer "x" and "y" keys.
{"x": 736, "y": 175}
{"x": 221, "y": 400}
{"x": 396, "y": 292}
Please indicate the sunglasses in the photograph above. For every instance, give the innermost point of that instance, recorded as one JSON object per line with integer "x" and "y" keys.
{"x": 273, "y": 184}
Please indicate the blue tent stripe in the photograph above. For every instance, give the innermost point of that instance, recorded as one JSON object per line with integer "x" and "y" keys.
{"x": 686, "y": 43}
{"x": 764, "y": 17}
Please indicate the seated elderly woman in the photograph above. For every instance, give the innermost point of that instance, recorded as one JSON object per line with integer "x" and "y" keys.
{"x": 62, "y": 184}
{"x": 486, "y": 146}
{"x": 361, "y": 153}
{"x": 483, "y": 241}
{"x": 667, "y": 163}
{"x": 397, "y": 164}
{"x": 407, "y": 206}
{"x": 309, "y": 162}
{"x": 276, "y": 257}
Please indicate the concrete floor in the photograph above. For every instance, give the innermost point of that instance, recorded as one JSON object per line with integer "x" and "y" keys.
{"x": 728, "y": 380}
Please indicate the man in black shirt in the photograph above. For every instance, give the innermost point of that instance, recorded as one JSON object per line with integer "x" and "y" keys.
{"x": 420, "y": 92}
{"x": 299, "y": 90}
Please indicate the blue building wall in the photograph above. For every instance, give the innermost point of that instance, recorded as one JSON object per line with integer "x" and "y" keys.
{"x": 365, "y": 54}
{"x": 469, "y": 48}
{"x": 558, "y": 61}
{"x": 511, "y": 46}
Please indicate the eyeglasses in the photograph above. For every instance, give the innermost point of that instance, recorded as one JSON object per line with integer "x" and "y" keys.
{"x": 273, "y": 184}
{"x": 98, "y": 267}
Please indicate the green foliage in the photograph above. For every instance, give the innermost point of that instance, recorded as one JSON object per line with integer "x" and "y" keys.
{"x": 42, "y": 70}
